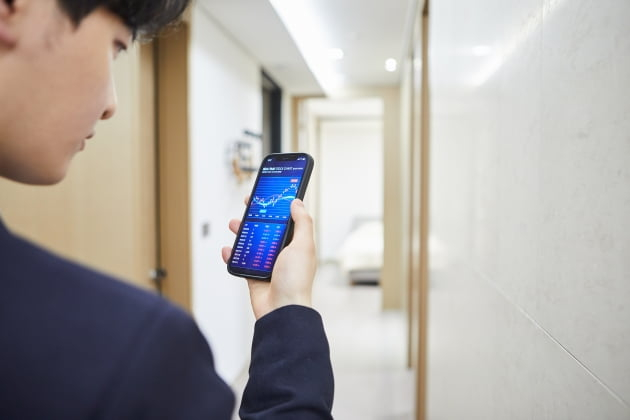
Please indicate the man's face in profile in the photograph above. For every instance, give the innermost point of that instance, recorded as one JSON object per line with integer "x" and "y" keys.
{"x": 56, "y": 83}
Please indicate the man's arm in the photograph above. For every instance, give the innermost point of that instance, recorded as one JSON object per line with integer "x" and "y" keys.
{"x": 290, "y": 376}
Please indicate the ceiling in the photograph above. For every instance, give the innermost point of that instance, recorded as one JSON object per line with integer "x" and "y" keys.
{"x": 323, "y": 108}
{"x": 368, "y": 31}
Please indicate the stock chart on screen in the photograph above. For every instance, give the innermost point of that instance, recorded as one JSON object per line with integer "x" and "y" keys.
{"x": 273, "y": 196}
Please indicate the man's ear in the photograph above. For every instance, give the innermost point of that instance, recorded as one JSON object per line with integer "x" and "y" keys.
{"x": 7, "y": 35}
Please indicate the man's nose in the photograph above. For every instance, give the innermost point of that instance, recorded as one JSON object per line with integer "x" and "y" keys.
{"x": 112, "y": 102}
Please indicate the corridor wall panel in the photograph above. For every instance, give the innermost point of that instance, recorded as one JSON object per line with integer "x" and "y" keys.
{"x": 225, "y": 99}
{"x": 530, "y": 197}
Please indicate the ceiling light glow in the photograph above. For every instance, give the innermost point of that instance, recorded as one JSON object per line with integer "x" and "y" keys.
{"x": 335, "y": 54}
{"x": 391, "y": 64}
{"x": 525, "y": 31}
{"x": 309, "y": 33}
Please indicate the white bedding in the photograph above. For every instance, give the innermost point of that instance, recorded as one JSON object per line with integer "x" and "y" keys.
{"x": 361, "y": 254}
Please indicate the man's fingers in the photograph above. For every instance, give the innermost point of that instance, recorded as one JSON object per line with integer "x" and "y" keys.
{"x": 234, "y": 224}
{"x": 226, "y": 251}
{"x": 303, "y": 230}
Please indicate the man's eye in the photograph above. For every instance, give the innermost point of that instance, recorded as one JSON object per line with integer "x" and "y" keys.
{"x": 120, "y": 47}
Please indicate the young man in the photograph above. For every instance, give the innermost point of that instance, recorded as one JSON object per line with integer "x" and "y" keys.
{"x": 75, "y": 344}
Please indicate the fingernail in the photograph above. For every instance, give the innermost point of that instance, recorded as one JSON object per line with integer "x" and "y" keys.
{"x": 299, "y": 202}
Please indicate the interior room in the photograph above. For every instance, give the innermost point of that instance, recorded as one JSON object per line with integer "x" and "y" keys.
{"x": 470, "y": 193}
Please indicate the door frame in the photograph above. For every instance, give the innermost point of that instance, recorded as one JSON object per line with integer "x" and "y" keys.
{"x": 173, "y": 191}
{"x": 418, "y": 238}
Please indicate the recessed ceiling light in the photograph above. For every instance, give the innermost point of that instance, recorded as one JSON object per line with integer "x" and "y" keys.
{"x": 335, "y": 53}
{"x": 391, "y": 64}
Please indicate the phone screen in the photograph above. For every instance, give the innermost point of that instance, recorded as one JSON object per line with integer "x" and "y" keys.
{"x": 266, "y": 225}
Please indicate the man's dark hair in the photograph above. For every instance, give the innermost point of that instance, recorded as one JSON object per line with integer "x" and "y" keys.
{"x": 143, "y": 17}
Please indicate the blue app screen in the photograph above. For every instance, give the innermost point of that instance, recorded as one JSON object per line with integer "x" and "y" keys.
{"x": 266, "y": 221}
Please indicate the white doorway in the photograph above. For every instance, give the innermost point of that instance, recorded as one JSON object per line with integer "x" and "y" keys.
{"x": 348, "y": 147}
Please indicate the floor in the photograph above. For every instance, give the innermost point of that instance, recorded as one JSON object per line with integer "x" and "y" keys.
{"x": 368, "y": 350}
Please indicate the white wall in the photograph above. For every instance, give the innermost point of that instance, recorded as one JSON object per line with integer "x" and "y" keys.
{"x": 530, "y": 196}
{"x": 350, "y": 175}
{"x": 225, "y": 99}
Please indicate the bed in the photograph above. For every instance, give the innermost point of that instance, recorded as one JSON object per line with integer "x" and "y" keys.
{"x": 361, "y": 253}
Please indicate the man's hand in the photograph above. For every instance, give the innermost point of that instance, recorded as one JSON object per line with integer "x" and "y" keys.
{"x": 294, "y": 271}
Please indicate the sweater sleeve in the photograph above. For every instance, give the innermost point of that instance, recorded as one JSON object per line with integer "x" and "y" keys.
{"x": 290, "y": 375}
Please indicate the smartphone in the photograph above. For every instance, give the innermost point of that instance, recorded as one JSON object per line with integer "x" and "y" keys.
{"x": 267, "y": 227}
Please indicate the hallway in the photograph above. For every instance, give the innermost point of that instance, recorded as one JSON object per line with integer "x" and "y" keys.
{"x": 368, "y": 351}
{"x": 491, "y": 139}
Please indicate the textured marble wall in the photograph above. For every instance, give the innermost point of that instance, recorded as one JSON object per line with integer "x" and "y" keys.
{"x": 530, "y": 209}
